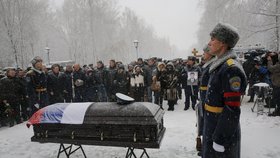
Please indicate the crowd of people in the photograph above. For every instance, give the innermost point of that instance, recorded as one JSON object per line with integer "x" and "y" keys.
{"x": 152, "y": 80}
{"x": 219, "y": 79}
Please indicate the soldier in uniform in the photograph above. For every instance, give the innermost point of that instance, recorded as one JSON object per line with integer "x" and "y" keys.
{"x": 79, "y": 81}
{"x": 169, "y": 85}
{"x": 190, "y": 84}
{"x": 37, "y": 85}
{"x": 110, "y": 86}
{"x": 208, "y": 59}
{"x": 221, "y": 133}
{"x": 9, "y": 89}
{"x": 55, "y": 85}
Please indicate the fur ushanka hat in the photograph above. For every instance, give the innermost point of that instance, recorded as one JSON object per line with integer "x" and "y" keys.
{"x": 225, "y": 33}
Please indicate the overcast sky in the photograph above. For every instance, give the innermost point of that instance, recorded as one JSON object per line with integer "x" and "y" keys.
{"x": 177, "y": 20}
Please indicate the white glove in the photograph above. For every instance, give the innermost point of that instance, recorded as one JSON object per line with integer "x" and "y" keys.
{"x": 218, "y": 148}
{"x": 37, "y": 105}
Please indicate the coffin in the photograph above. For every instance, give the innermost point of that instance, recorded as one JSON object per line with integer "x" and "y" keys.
{"x": 138, "y": 124}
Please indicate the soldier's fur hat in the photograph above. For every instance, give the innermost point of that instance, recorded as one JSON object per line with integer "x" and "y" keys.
{"x": 36, "y": 60}
{"x": 225, "y": 33}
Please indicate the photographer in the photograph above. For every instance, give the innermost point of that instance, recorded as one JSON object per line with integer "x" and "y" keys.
{"x": 258, "y": 74}
{"x": 275, "y": 78}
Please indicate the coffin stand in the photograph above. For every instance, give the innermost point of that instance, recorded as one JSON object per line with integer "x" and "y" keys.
{"x": 137, "y": 125}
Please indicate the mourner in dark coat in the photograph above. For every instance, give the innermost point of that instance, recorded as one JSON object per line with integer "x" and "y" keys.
{"x": 144, "y": 67}
{"x": 121, "y": 80}
{"x": 68, "y": 90}
{"x": 275, "y": 78}
{"x": 158, "y": 77}
{"x": 91, "y": 86}
{"x": 178, "y": 64}
{"x": 79, "y": 80}
{"x": 149, "y": 74}
{"x": 137, "y": 84}
{"x": 55, "y": 85}
{"x": 190, "y": 84}
{"x": 23, "y": 94}
{"x": 221, "y": 133}
{"x": 9, "y": 90}
{"x": 170, "y": 79}
{"x": 110, "y": 77}
{"x": 100, "y": 74}
{"x": 37, "y": 86}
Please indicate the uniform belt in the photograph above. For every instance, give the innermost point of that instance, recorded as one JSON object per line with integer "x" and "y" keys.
{"x": 203, "y": 88}
{"x": 213, "y": 109}
{"x": 41, "y": 89}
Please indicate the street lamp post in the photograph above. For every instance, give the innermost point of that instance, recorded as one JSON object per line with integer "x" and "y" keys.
{"x": 48, "y": 53}
{"x": 136, "y": 42}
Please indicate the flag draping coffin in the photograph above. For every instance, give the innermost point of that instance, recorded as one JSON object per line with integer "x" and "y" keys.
{"x": 139, "y": 124}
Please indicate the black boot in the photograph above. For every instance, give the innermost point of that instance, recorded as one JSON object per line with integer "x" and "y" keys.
{"x": 198, "y": 144}
{"x": 250, "y": 100}
{"x": 186, "y": 108}
{"x": 170, "y": 109}
{"x": 193, "y": 107}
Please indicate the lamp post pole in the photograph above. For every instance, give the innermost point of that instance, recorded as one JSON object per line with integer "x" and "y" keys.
{"x": 48, "y": 54}
{"x": 136, "y": 42}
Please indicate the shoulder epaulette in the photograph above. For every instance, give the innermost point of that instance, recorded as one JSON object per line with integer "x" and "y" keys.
{"x": 230, "y": 62}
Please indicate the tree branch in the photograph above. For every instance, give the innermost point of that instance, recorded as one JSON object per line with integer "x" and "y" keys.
{"x": 259, "y": 31}
{"x": 265, "y": 14}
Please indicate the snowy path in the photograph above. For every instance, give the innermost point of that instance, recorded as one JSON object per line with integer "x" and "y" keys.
{"x": 260, "y": 139}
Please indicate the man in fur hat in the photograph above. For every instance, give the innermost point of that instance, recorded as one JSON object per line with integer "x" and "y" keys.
{"x": 37, "y": 85}
{"x": 221, "y": 135}
{"x": 208, "y": 59}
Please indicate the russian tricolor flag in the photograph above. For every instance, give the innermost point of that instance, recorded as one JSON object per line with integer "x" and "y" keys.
{"x": 63, "y": 113}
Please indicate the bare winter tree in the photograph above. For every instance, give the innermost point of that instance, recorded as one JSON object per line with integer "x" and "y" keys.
{"x": 257, "y": 21}
{"x": 19, "y": 19}
{"x": 81, "y": 30}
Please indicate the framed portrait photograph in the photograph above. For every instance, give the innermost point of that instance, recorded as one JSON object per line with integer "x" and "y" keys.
{"x": 192, "y": 78}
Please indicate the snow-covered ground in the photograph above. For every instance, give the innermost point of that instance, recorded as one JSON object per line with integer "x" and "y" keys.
{"x": 260, "y": 138}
